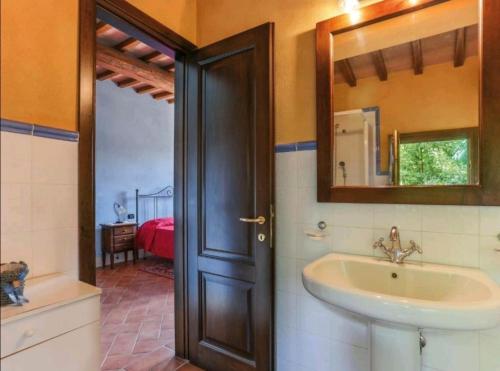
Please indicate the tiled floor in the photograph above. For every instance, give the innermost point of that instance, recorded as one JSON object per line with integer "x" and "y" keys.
{"x": 137, "y": 320}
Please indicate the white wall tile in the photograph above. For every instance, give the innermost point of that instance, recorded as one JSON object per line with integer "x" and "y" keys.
{"x": 39, "y": 203}
{"x": 313, "y": 316}
{"x": 348, "y": 216}
{"x": 16, "y": 207}
{"x": 54, "y": 206}
{"x": 286, "y": 309}
{"x": 313, "y": 351}
{"x": 489, "y": 220}
{"x": 309, "y": 211}
{"x": 286, "y": 271}
{"x": 16, "y": 246}
{"x": 309, "y": 249}
{"x": 15, "y": 158}
{"x": 285, "y": 237}
{"x": 349, "y": 328}
{"x": 408, "y": 217}
{"x": 306, "y": 161}
{"x": 489, "y": 258}
{"x": 287, "y": 204}
{"x": 351, "y": 240}
{"x": 286, "y": 170}
{"x": 450, "y": 219}
{"x": 452, "y": 249}
{"x": 53, "y": 161}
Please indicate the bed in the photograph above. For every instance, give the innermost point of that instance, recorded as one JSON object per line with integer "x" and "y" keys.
{"x": 155, "y": 235}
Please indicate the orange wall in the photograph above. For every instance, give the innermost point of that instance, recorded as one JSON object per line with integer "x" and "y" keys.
{"x": 38, "y": 61}
{"x": 178, "y": 15}
{"x": 39, "y": 55}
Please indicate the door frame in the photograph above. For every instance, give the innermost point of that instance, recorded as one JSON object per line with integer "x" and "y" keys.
{"x": 136, "y": 23}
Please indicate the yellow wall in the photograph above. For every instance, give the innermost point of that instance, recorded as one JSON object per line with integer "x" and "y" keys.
{"x": 443, "y": 97}
{"x": 295, "y": 23}
{"x": 38, "y": 61}
{"x": 178, "y": 15}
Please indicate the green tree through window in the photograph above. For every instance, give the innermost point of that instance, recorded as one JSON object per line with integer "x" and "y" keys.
{"x": 434, "y": 162}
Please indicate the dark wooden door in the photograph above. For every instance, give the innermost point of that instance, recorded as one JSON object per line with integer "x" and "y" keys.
{"x": 229, "y": 177}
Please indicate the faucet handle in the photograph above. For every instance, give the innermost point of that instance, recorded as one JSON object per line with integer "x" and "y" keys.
{"x": 414, "y": 246}
{"x": 378, "y": 243}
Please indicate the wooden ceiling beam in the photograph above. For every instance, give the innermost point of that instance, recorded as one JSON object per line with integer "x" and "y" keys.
{"x": 347, "y": 72}
{"x": 152, "y": 57}
{"x": 146, "y": 89}
{"x": 379, "y": 63}
{"x": 170, "y": 66}
{"x": 460, "y": 44}
{"x": 101, "y": 28}
{"x": 127, "y": 44}
{"x": 170, "y": 101}
{"x": 417, "y": 57}
{"x": 127, "y": 83}
{"x": 106, "y": 75}
{"x": 134, "y": 68}
{"x": 163, "y": 96}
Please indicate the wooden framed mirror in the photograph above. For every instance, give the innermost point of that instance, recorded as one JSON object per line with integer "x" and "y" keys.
{"x": 408, "y": 103}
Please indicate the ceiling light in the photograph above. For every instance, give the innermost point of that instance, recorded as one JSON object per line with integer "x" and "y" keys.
{"x": 348, "y": 6}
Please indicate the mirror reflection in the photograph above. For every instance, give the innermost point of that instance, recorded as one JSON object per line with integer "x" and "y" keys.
{"x": 406, "y": 109}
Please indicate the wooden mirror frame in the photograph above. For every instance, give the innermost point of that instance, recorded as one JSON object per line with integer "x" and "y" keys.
{"x": 487, "y": 192}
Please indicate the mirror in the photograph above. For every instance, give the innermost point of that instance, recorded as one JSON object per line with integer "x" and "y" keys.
{"x": 406, "y": 99}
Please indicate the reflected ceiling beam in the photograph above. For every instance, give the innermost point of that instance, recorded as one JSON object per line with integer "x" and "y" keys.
{"x": 133, "y": 68}
{"x": 379, "y": 63}
{"x": 106, "y": 75}
{"x": 170, "y": 67}
{"x": 460, "y": 43}
{"x": 102, "y": 28}
{"x": 417, "y": 57}
{"x": 347, "y": 72}
{"x": 127, "y": 44}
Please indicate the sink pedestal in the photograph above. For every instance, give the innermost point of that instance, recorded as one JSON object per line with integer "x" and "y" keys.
{"x": 394, "y": 348}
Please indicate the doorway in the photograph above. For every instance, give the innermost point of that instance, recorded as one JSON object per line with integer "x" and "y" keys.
{"x": 224, "y": 138}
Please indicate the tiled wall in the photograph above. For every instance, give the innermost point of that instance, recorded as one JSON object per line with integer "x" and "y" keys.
{"x": 39, "y": 203}
{"x": 314, "y": 336}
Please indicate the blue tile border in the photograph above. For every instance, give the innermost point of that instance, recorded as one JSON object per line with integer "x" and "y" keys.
{"x": 293, "y": 147}
{"x": 38, "y": 130}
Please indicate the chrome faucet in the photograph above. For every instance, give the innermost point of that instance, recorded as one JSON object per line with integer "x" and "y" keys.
{"x": 395, "y": 253}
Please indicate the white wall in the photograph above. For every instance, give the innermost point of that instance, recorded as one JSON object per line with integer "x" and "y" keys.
{"x": 314, "y": 336}
{"x": 39, "y": 203}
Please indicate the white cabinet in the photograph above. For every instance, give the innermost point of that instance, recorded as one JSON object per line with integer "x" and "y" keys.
{"x": 57, "y": 330}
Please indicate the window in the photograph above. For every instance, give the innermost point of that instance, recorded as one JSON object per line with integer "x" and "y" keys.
{"x": 444, "y": 157}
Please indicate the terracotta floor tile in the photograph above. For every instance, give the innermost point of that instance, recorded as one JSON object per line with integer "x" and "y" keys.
{"x": 137, "y": 329}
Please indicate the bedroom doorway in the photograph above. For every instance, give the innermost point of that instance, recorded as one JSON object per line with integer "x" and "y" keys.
{"x": 134, "y": 199}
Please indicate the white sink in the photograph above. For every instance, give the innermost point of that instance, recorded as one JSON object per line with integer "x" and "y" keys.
{"x": 421, "y": 296}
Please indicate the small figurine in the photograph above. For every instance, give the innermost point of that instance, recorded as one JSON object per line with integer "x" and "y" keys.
{"x": 12, "y": 276}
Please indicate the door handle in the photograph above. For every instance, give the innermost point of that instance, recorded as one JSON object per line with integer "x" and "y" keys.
{"x": 259, "y": 220}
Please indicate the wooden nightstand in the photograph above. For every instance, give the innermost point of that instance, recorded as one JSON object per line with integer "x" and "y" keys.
{"x": 118, "y": 238}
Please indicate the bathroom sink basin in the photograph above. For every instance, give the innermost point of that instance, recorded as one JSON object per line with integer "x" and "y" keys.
{"x": 423, "y": 295}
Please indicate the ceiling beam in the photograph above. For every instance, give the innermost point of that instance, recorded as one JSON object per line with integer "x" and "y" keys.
{"x": 127, "y": 44}
{"x": 153, "y": 56}
{"x": 146, "y": 89}
{"x": 170, "y": 66}
{"x": 106, "y": 75}
{"x": 127, "y": 83}
{"x": 134, "y": 68}
{"x": 347, "y": 72}
{"x": 417, "y": 57}
{"x": 460, "y": 44}
{"x": 163, "y": 96}
{"x": 379, "y": 63}
{"x": 102, "y": 28}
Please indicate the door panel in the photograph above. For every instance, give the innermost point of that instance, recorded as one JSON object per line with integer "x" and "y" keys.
{"x": 230, "y": 176}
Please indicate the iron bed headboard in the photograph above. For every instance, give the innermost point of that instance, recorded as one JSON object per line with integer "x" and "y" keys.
{"x": 167, "y": 192}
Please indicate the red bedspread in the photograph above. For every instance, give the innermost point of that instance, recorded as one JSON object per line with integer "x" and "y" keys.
{"x": 157, "y": 237}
